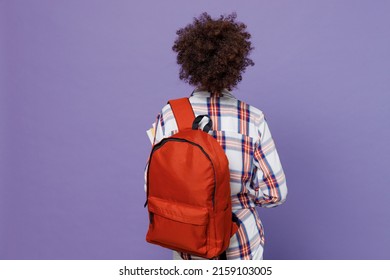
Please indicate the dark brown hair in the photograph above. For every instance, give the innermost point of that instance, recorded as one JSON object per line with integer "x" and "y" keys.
{"x": 213, "y": 53}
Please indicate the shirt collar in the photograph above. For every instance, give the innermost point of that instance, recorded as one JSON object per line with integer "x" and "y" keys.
{"x": 198, "y": 92}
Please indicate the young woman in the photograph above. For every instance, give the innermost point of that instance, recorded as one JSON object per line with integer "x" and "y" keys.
{"x": 213, "y": 54}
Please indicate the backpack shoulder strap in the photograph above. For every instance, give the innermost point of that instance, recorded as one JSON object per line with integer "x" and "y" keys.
{"x": 183, "y": 112}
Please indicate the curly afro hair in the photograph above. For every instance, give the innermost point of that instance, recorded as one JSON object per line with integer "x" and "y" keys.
{"x": 213, "y": 53}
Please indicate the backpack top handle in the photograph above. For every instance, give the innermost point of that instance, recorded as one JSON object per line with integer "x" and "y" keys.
{"x": 198, "y": 119}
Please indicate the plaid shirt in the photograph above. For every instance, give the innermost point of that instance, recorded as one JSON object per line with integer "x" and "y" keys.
{"x": 256, "y": 174}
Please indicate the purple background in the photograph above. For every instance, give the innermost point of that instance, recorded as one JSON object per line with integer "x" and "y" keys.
{"x": 81, "y": 82}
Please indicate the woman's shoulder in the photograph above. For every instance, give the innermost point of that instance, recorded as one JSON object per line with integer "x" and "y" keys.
{"x": 229, "y": 107}
{"x": 256, "y": 114}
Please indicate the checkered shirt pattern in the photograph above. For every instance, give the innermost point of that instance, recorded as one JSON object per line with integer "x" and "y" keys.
{"x": 256, "y": 174}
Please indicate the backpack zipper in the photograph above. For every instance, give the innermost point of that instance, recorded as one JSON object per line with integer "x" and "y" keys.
{"x": 162, "y": 142}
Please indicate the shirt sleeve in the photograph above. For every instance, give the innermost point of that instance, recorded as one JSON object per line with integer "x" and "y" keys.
{"x": 268, "y": 178}
{"x": 158, "y": 136}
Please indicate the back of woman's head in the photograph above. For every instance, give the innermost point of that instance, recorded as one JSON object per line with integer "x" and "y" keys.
{"x": 213, "y": 53}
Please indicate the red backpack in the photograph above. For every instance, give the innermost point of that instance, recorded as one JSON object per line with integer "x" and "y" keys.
{"x": 188, "y": 189}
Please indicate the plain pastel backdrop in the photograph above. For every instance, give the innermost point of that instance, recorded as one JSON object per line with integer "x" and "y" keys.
{"x": 81, "y": 81}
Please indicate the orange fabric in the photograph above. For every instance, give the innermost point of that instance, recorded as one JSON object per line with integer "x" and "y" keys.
{"x": 189, "y": 200}
{"x": 182, "y": 110}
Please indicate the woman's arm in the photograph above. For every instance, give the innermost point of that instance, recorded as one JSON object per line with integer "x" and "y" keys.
{"x": 158, "y": 135}
{"x": 268, "y": 180}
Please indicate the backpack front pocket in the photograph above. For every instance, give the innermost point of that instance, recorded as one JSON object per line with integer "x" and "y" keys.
{"x": 178, "y": 226}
